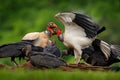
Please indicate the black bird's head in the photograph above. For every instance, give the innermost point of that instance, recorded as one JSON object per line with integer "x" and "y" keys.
{"x": 51, "y": 48}
{"x": 96, "y": 43}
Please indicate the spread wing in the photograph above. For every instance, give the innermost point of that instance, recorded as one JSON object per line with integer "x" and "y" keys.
{"x": 90, "y": 27}
{"x": 9, "y": 50}
{"x": 105, "y": 48}
{"x": 108, "y": 49}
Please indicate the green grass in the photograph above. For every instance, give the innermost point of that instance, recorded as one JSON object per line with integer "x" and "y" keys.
{"x": 21, "y": 74}
{"x": 53, "y": 74}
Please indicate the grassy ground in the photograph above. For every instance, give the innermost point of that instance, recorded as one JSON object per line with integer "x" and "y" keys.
{"x": 50, "y": 74}
{"x": 21, "y": 74}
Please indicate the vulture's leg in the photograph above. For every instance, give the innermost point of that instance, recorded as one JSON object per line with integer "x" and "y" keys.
{"x": 78, "y": 54}
{"x": 13, "y": 61}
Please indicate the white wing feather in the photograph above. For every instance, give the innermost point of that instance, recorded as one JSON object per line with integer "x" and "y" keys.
{"x": 105, "y": 47}
{"x": 116, "y": 49}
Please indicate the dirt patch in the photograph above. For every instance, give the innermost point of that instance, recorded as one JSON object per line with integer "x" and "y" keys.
{"x": 69, "y": 67}
{"x": 83, "y": 67}
{"x": 3, "y": 66}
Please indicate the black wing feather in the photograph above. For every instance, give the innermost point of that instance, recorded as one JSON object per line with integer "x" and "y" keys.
{"x": 15, "y": 49}
{"x": 10, "y": 50}
{"x": 46, "y": 61}
{"x": 91, "y": 28}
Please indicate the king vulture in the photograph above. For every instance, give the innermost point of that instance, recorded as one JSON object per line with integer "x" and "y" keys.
{"x": 41, "y": 39}
{"x": 80, "y": 31}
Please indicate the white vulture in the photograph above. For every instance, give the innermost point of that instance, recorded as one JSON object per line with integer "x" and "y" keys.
{"x": 80, "y": 31}
{"x": 41, "y": 39}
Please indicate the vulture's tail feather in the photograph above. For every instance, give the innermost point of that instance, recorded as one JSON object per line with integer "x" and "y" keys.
{"x": 101, "y": 30}
{"x": 115, "y": 50}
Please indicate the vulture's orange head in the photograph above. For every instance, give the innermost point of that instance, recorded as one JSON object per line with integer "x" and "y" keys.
{"x": 54, "y": 29}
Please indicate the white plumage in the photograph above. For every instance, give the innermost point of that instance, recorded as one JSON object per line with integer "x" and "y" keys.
{"x": 40, "y": 39}
{"x": 80, "y": 31}
{"x": 31, "y": 36}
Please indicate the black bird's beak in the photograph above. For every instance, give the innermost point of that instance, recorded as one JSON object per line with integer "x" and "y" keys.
{"x": 27, "y": 49}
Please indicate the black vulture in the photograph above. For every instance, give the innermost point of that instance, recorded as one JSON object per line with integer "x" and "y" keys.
{"x": 52, "y": 48}
{"x": 99, "y": 54}
{"x": 14, "y": 50}
{"x": 104, "y": 54}
{"x": 80, "y": 31}
{"x": 43, "y": 59}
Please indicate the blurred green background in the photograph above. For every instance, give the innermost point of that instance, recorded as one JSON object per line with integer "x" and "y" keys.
{"x": 18, "y": 17}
